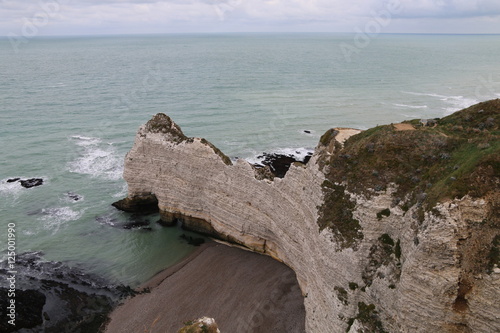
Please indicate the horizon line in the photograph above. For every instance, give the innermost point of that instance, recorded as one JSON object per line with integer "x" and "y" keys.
{"x": 251, "y": 32}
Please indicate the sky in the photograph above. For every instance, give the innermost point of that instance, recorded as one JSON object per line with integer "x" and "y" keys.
{"x": 29, "y": 18}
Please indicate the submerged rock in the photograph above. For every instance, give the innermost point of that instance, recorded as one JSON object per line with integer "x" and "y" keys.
{"x": 134, "y": 221}
{"x": 74, "y": 196}
{"x": 137, "y": 225}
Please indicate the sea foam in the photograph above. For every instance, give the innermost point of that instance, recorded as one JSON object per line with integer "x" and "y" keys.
{"x": 55, "y": 217}
{"x": 411, "y": 106}
{"x": 451, "y": 103}
{"x": 97, "y": 159}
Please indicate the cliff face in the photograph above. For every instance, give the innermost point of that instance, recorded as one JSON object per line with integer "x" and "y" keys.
{"x": 396, "y": 230}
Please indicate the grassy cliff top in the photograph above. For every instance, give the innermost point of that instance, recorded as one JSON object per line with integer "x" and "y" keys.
{"x": 430, "y": 161}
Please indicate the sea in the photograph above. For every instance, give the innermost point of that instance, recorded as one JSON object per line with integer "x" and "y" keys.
{"x": 70, "y": 108}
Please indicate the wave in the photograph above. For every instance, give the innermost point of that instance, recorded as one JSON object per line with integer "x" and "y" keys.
{"x": 86, "y": 141}
{"x": 97, "y": 159}
{"x": 411, "y": 106}
{"x": 458, "y": 103}
{"x": 123, "y": 192}
{"x": 423, "y": 94}
{"x": 10, "y": 189}
{"x": 454, "y": 102}
{"x": 55, "y": 217}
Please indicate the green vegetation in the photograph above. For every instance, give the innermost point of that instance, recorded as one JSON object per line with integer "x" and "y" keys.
{"x": 328, "y": 136}
{"x": 161, "y": 123}
{"x": 342, "y": 295}
{"x": 384, "y": 212}
{"x": 460, "y": 155}
{"x": 386, "y": 239}
{"x": 387, "y": 244}
{"x": 368, "y": 317}
{"x": 384, "y": 252}
{"x": 494, "y": 255}
{"x": 224, "y": 158}
{"x": 353, "y": 285}
{"x": 397, "y": 250}
{"x": 336, "y": 214}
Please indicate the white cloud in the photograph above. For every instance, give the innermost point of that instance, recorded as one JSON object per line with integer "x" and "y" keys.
{"x": 156, "y": 16}
{"x": 450, "y": 8}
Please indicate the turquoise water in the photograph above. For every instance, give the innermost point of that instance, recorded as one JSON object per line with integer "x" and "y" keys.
{"x": 70, "y": 108}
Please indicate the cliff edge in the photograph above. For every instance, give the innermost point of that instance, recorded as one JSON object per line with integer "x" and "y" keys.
{"x": 394, "y": 229}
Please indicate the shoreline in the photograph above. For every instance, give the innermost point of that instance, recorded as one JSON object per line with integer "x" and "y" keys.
{"x": 164, "y": 274}
{"x": 242, "y": 290}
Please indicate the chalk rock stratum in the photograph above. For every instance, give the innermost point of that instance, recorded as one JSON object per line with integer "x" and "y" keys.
{"x": 394, "y": 230}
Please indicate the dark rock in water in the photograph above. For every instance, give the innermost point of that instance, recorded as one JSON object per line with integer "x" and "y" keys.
{"x": 28, "y": 308}
{"x": 133, "y": 223}
{"x": 306, "y": 131}
{"x": 28, "y": 183}
{"x": 74, "y": 196}
{"x": 106, "y": 219}
{"x": 34, "y": 212}
{"x": 140, "y": 204}
{"x": 307, "y": 159}
{"x": 53, "y": 297}
{"x": 278, "y": 163}
{"x": 136, "y": 225}
{"x": 196, "y": 241}
{"x": 13, "y": 180}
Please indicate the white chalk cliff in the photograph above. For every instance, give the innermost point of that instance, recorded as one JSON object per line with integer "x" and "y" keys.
{"x": 398, "y": 268}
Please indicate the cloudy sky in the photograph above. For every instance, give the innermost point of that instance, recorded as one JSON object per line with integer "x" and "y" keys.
{"x": 89, "y": 17}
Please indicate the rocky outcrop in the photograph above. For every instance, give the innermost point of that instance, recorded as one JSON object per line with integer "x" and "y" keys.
{"x": 27, "y": 183}
{"x": 389, "y": 231}
{"x": 54, "y": 297}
